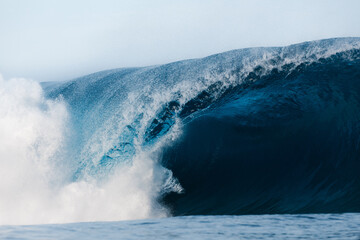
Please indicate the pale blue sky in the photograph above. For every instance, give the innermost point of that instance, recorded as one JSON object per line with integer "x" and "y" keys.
{"x": 50, "y": 40}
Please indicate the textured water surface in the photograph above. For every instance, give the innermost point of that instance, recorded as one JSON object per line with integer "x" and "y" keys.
{"x": 307, "y": 226}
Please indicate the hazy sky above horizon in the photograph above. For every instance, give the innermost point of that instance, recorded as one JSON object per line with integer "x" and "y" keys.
{"x": 49, "y": 40}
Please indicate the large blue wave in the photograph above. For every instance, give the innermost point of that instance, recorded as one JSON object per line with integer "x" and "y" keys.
{"x": 258, "y": 130}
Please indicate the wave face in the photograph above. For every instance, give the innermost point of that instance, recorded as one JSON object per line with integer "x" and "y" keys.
{"x": 259, "y": 130}
{"x": 283, "y": 142}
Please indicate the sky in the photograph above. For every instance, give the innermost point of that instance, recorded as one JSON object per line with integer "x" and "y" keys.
{"x": 48, "y": 40}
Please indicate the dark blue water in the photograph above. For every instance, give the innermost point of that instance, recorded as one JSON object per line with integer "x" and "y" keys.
{"x": 286, "y": 142}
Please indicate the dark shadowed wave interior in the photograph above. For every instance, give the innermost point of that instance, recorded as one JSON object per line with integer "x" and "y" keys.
{"x": 288, "y": 143}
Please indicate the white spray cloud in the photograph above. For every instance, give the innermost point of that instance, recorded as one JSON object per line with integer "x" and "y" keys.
{"x": 33, "y": 188}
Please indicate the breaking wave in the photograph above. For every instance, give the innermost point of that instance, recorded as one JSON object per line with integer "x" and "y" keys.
{"x": 259, "y": 130}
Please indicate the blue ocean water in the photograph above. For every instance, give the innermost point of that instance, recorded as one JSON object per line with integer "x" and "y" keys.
{"x": 306, "y": 226}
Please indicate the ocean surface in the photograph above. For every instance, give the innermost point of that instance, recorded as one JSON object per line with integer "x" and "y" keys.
{"x": 241, "y": 144}
{"x": 309, "y": 226}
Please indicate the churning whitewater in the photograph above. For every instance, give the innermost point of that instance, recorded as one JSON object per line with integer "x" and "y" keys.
{"x": 37, "y": 167}
{"x": 258, "y": 130}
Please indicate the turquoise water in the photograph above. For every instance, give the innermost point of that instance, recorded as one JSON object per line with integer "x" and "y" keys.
{"x": 306, "y": 226}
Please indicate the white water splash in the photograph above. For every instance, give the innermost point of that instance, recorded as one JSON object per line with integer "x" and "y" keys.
{"x": 34, "y": 188}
